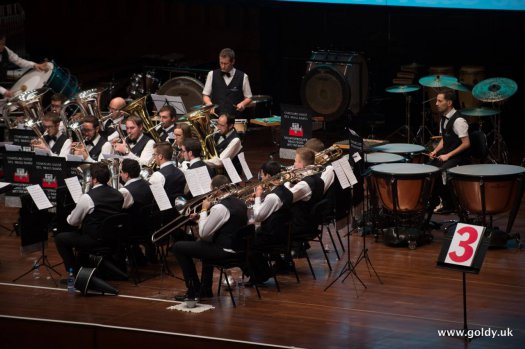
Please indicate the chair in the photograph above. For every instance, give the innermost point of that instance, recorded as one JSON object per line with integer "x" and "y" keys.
{"x": 240, "y": 259}
{"x": 317, "y": 212}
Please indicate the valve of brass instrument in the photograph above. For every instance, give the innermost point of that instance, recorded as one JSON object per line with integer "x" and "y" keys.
{"x": 77, "y": 148}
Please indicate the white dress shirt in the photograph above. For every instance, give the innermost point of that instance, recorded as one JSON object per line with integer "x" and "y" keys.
{"x": 460, "y": 126}
{"x": 147, "y": 152}
{"x": 66, "y": 147}
{"x": 85, "y": 206}
{"x": 246, "y": 89}
{"x": 128, "y": 198}
{"x": 229, "y": 152}
{"x": 157, "y": 177}
{"x": 209, "y": 224}
{"x": 263, "y": 209}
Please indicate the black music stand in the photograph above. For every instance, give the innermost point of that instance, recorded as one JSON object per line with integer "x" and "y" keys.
{"x": 349, "y": 268}
{"x": 39, "y": 221}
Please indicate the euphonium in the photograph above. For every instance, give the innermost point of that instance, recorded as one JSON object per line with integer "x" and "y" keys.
{"x": 34, "y": 125}
{"x": 30, "y": 102}
{"x": 76, "y": 127}
{"x": 138, "y": 107}
{"x": 201, "y": 126}
{"x": 328, "y": 155}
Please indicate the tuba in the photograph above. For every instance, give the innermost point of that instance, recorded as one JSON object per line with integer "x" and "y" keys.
{"x": 35, "y": 126}
{"x": 138, "y": 107}
{"x": 201, "y": 127}
{"x": 76, "y": 128}
{"x": 89, "y": 101}
{"x": 324, "y": 157}
{"x": 30, "y": 102}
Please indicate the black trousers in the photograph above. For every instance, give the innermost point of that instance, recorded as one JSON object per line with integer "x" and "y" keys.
{"x": 67, "y": 242}
{"x": 442, "y": 190}
{"x": 185, "y": 251}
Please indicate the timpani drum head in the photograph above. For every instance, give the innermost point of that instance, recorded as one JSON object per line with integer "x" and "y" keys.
{"x": 381, "y": 158}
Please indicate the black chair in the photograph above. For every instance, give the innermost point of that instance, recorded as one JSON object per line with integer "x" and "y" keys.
{"x": 301, "y": 239}
{"x": 240, "y": 259}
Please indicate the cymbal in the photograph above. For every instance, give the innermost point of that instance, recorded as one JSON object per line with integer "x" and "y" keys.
{"x": 494, "y": 89}
{"x": 458, "y": 86}
{"x": 478, "y": 111}
{"x": 437, "y": 80}
{"x": 402, "y": 88}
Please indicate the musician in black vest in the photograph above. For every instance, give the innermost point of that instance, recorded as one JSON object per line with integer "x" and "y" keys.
{"x": 168, "y": 175}
{"x": 192, "y": 152}
{"x": 7, "y": 57}
{"x": 58, "y": 142}
{"x": 452, "y": 148}
{"x": 96, "y": 144}
{"x": 167, "y": 115}
{"x": 216, "y": 233}
{"x": 306, "y": 193}
{"x": 328, "y": 175}
{"x": 107, "y": 128}
{"x": 92, "y": 208}
{"x": 227, "y": 87}
{"x": 137, "y": 145}
{"x": 227, "y": 143}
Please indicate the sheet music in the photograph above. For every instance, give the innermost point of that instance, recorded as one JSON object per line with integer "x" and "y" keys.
{"x": 175, "y": 101}
{"x": 12, "y": 147}
{"x": 39, "y": 197}
{"x": 245, "y": 167}
{"x": 74, "y": 187}
{"x": 74, "y": 158}
{"x": 341, "y": 176}
{"x": 161, "y": 198}
{"x": 230, "y": 169}
{"x": 348, "y": 171}
{"x": 4, "y": 184}
{"x": 43, "y": 152}
{"x": 199, "y": 180}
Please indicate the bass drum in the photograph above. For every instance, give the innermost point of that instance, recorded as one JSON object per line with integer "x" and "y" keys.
{"x": 188, "y": 88}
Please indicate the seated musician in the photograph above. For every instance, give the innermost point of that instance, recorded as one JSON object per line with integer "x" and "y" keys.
{"x": 137, "y": 195}
{"x": 181, "y": 133}
{"x": 227, "y": 142}
{"x": 115, "y": 107}
{"x": 58, "y": 142}
{"x": 96, "y": 144}
{"x": 216, "y": 231}
{"x": 306, "y": 193}
{"x": 167, "y": 115}
{"x": 169, "y": 176}
{"x": 192, "y": 152}
{"x": 92, "y": 208}
{"x": 328, "y": 175}
{"x": 137, "y": 146}
{"x": 452, "y": 148}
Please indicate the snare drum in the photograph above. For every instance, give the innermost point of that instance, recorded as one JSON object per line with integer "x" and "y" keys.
{"x": 412, "y": 152}
{"x": 404, "y": 188}
{"x": 487, "y": 189}
{"x": 56, "y": 78}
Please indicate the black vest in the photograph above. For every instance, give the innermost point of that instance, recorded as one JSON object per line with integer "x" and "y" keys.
{"x": 108, "y": 202}
{"x": 277, "y": 223}
{"x": 224, "y": 144}
{"x": 4, "y": 64}
{"x": 94, "y": 153}
{"x": 226, "y": 96}
{"x": 55, "y": 149}
{"x": 450, "y": 139}
{"x": 174, "y": 183}
{"x": 140, "y": 145}
{"x": 163, "y": 134}
{"x": 109, "y": 128}
{"x": 201, "y": 163}
{"x": 301, "y": 210}
{"x": 142, "y": 196}
{"x": 238, "y": 219}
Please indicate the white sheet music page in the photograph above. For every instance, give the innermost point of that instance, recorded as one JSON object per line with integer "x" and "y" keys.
{"x": 230, "y": 169}
{"x": 340, "y": 173}
{"x": 4, "y": 184}
{"x": 74, "y": 187}
{"x": 199, "y": 180}
{"x": 39, "y": 197}
{"x": 348, "y": 171}
{"x": 161, "y": 198}
{"x": 245, "y": 167}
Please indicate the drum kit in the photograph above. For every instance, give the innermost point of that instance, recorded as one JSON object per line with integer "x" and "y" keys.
{"x": 494, "y": 90}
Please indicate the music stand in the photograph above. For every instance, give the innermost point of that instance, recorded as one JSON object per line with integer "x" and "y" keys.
{"x": 4, "y": 188}
{"x": 175, "y": 101}
{"x": 39, "y": 220}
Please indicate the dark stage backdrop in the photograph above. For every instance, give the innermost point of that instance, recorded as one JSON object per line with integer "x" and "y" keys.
{"x": 99, "y": 40}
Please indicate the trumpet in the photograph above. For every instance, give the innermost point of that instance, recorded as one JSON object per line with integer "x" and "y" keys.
{"x": 190, "y": 207}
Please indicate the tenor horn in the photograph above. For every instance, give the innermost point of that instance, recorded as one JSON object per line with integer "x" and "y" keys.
{"x": 138, "y": 107}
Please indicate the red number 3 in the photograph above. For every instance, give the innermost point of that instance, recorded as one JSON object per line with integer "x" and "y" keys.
{"x": 468, "y": 251}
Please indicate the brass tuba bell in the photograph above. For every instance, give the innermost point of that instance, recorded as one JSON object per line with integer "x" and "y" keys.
{"x": 138, "y": 107}
{"x": 201, "y": 127}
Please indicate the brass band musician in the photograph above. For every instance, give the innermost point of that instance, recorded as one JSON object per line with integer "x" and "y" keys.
{"x": 192, "y": 152}
{"x": 58, "y": 142}
{"x": 167, "y": 115}
{"x": 168, "y": 175}
{"x": 181, "y": 133}
{"x": 96, "y": 144}
{"x": 227, "y": 142}
{"x": 115, "y": 108}
{"x": 137, "y": 145}
{"x": 328, "y": 175}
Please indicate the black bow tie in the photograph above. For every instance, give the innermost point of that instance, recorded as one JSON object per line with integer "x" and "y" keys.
{"x": 50, "y": 138}
{"x": 225, "y": 73}
{"x": 89, "y": 143}
{"x": 131, "y": 141}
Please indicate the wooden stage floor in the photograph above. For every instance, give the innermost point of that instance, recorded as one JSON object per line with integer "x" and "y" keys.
{"x": 414, "y": 303}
